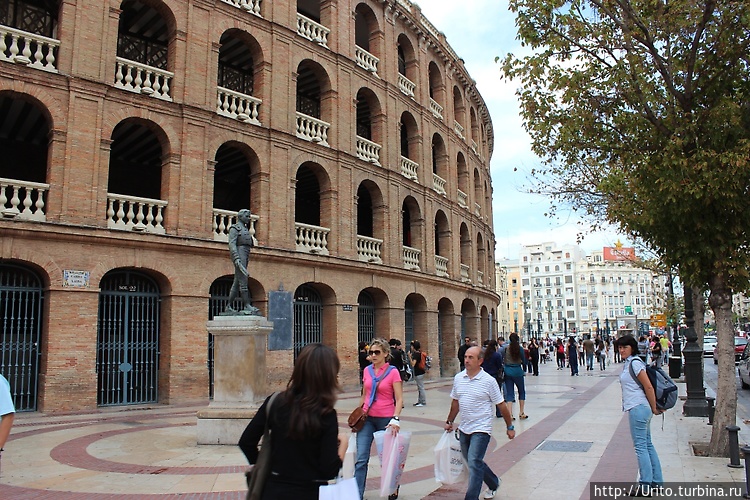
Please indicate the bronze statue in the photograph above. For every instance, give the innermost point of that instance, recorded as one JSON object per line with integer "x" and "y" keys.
{"x": 240, "y": 243}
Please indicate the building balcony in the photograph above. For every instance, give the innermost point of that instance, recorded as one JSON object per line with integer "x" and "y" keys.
{"x": 441, "y": 266}
{"x": 409, "y": 169}
{"x": 143, "y": 79}
{"x": 22, "y": 199}
{"x": 480, "y": 277}
{"x": 477, "y": 209}
{"x": 237, "y": 106}
{"x": 368, "y": 151}
{"x": 437, "y": 109}
{"x": 28, "y": 49}
{"x": 368, "y": 249}
{"x": 130, "y": 213}
{"x": 463, "y": 199}
{"x": 465, "y": 274}
{"x": 222, "y": 220}
{"x": 407, "y": 86}
{"x": 311, "y": 129}
{"x": 251, "y": 6}
{"x": 474, "y": 147}
{"x": 411, "y": 258}
{"x": 365, "y": 60}
{"x": 311, "y": 239}
{"x": 438, "y": 184}
{"x": 458, "y": 129}
{"x": 307, "y": 28}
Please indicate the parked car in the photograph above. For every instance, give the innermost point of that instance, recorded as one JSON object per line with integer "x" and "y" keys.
{"x": 744, "y": 367}
{"x": 739, "y": 348}
{"x": 709, "y": 342}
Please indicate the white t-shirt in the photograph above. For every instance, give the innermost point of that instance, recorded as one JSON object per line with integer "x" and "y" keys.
{"x": 476, "y": 398}
{"x": 632, "y": 394}
{"x": 6, "y": 403}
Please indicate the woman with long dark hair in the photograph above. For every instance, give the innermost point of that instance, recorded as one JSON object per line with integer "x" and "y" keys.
{"x": 493, "y": 365}
{"x": 534, "y": 357}
{"x": 514, "y": 375}
{"x": 306, "y": 450}
{"x": 572, "y": 356}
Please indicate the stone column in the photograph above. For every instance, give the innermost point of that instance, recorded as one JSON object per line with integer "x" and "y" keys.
{"x": 239, "y": 377}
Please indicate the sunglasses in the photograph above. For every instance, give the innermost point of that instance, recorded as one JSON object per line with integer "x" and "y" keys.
{"x": 377, "y": 353}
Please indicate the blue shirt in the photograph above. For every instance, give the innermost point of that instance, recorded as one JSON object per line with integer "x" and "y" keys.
{"x": 6, "y": 402}
{"x": 632, "y": 394}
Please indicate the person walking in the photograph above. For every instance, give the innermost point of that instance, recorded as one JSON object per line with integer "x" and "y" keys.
{"x": 588, "y": 349}
{"x": 560, "y": 353}
{"x": 514, "y": 376}
{"x": 307, "y": 449}
{"x": 643, "y": 348}
{"x": 572, "y": 356}
{"x": 601, "y": 356}
{"x": 462, "y": 351}
{"x": 492, "y": 364}
{"x": 640, "y": 405}
{"x": 385, "y": 409}
{"x": 364, "y": 360}
{"x": 657, "y": 355}
{"x": 473, "y": 395}
{"x": 419, "y": 358}
{"x": 534, "y": 357}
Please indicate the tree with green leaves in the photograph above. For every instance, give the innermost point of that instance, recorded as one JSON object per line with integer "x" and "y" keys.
{"x": 640, "y": 113}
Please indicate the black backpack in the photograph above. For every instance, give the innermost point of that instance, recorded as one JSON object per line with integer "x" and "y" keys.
{"x": 664, "y": 388}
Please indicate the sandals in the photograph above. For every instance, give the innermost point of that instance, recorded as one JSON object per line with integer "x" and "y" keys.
{"x": 523, "y": 416}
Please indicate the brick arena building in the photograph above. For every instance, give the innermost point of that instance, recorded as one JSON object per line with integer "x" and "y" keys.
{"x": 133, "y": 131}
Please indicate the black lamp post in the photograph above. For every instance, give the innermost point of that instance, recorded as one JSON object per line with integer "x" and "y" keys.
{"x": 565, "y": 327}
{"x": 696, "y": 404}
{"x": 538, "y": 327}
{"x": 515, "y": 326}
{"x": 597, "y": 329}
{"x": 529, "y": 327}
{"x": 606, "y": 327}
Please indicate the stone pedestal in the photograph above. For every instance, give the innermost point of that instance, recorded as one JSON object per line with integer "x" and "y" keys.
{"x": 239, "y": 377}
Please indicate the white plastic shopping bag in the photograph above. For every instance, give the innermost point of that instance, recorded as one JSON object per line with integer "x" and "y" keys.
{"x": 350, "y": 457}
{"x": 449, "y": 463}
{"x": 342, "y": 489}
{"x": 395, "y": 451}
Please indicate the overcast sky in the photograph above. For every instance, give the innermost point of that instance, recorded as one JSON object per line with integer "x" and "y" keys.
{"x": 479, "y": 30}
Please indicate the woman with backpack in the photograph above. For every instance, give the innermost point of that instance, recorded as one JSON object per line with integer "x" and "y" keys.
{"x": 640, "y": 404}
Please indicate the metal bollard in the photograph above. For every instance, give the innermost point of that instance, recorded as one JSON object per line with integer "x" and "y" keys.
{"x": 711, "y": 409}
{"x": 746, "y": 452}
{"x": 734, "y": 447}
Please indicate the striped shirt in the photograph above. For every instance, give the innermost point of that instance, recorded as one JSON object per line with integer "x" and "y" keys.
{"x": 476, "y": 398}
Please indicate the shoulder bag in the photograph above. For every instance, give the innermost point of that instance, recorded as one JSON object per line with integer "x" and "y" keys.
{"x": 357, "y": 418}
{"x": 256, "y": 477}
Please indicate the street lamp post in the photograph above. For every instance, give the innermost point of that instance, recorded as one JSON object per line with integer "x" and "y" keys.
{"x": 538, "y": 326}
{"x": 565, "y": 327}
{"x": 696, "y": 404}
{"x": 515, "y": 326}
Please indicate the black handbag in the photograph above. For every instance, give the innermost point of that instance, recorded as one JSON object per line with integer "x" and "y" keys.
{"x": 256, "y": 477}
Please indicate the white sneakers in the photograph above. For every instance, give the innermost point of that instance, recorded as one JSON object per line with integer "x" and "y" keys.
{"x": 489, "y": 493}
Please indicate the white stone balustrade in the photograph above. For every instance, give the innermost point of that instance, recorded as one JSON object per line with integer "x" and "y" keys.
{"x": 406, "y": 85}
{"x": 368, "y": 249}
{"x": 311, "y": 239}
{"x": 477, "y": 209}
{"x": 311, "y": 30}
{"x": 480, "y": 277}
{"x": 441, "y": 266}
{"x": 130, "y": 213}
{"x": 311, "y": 129}
{"x": 465, "y": 273}
{"x": 437, "y": 109}
{"x": 365, "y": 60}
{"x": 474, "y": 147}
{"x": 438, "y": 184}
{"x": 458, "y": 129}
{"x": 237, "y": 105}
{"x": 411, "y": 258}
{"x": 409, "y": 168}
{"x": 144, "y": 79}
{"x": 368, "y": 151}
{"x": 222, "y": 220}
{"x": 22, "y": 199}
{"x": 22, "y": 47}
{"x": 463, "y": 199}
{"x": 251, "y": 6}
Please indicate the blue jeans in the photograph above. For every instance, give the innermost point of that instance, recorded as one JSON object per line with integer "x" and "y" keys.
{"x": 590, "y": 361}
{"x": 473, "y": 448}
{"x": 364, "y": 444}
{"x": 649, "y": 467}
{"x": 510, "y": 394}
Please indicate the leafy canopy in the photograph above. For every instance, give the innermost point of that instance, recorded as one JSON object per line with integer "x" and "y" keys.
{"x": 640, "y": 111}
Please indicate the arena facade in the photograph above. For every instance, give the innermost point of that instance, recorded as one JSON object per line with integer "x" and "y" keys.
{"x": 133, "y": 131}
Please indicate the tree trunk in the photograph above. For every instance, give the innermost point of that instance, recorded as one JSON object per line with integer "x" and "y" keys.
{"x": 720, "y": 300}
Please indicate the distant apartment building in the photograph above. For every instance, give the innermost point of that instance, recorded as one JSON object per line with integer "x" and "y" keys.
{"x": 559, "y": 289}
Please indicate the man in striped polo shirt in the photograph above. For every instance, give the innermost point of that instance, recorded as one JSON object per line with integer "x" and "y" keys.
{"x": 474, "y": 394}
